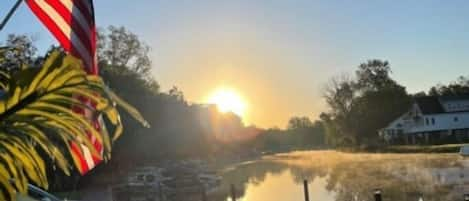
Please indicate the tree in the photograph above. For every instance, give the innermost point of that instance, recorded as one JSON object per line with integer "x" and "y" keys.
{"x": 19, "y": 51}
{"x": 177, "y": 94}
{"x": 301, "y": 134}
{"x": 340, "y": 94}
{"x": 455, "y": 88}
{"x": 299, "y": 122}
{"x": 37, "y": 123}
{"x": 374, "y": 75}
{"x": 360, "y": 106}
{"x": 117, "y": 46}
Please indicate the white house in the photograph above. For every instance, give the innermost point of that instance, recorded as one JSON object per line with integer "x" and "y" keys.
{"x": 431, "y": 119}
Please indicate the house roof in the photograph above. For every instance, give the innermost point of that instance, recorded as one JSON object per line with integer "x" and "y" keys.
{"x": 434, "y": 104}
{"x": 464, "y": 97}
{"x": 429, "y": 105}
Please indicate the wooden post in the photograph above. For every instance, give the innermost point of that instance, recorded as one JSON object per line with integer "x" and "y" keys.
{"x": 421, "y": 198}
{"x": 160, "y": 191}
{"x": 233, "y": 192}
{"x": 305, "y": 185}
{"x": 204, "y": 194}
{"x": 378, "y": 195}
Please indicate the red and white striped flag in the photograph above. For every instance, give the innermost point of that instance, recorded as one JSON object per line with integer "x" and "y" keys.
{"x": 72, "y": 24}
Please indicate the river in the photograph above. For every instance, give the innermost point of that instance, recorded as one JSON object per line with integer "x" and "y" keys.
{"x": 337, "y": 176}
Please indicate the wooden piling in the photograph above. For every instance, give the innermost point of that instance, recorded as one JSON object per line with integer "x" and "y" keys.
{"x": 421, "y": 198}
{"x": 160, "y": 191}
{"x": 378, "y": 195}
{"x": 233, "y": 192}
{"x": 204, "y": 194}
{"x": 305, "y": 185}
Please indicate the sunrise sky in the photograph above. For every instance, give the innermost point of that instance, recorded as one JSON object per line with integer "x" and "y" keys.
{"x": 277, "y": 55}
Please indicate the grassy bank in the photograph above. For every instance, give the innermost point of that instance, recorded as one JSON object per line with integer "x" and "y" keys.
{"x": 447, "y": 148}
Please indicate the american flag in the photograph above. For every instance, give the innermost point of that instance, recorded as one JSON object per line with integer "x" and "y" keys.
{"x": 72, "y": 24}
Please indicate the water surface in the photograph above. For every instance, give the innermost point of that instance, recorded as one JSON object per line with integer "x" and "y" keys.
{"x": 335, "y": 176}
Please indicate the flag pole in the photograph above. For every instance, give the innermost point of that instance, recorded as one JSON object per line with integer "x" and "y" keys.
{"x": 10, "y": 13}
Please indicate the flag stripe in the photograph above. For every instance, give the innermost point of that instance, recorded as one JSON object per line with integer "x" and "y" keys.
{"x": 87, "y": 156}
{"x": 83, "y": 36}
{"x": 85, "y": 7}
{"x": 49, "y": 23}
{"x": 73, "y": 39}
{"x": 78, "y": 152}
{"x": 76, "y": 13}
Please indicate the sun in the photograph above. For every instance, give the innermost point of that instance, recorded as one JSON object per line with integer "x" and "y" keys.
{"x": 228, "y": 100}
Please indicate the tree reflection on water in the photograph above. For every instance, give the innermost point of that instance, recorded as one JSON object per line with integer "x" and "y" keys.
{"x": 348, "y": 176}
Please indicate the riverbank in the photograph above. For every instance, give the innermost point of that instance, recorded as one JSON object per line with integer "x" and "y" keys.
{"x": 447, "y": 148}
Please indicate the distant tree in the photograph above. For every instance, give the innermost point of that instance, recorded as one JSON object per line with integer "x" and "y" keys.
{"x": 20, "y": 52}
{"x": 458, "y": 87}
{"x": 420, "y": 94}
{"x": 299, "y": 122}
{"x": 300, "y": 134}
{"x": 117, "y": 46}
{"x": 359, "y": 106}
{"x": 381, "y": 100}
{"x": 374, "y": 75}
{"x": 177, "y": 94}
{"x": 332, "y": 135}
{"x": 340, "y": 94}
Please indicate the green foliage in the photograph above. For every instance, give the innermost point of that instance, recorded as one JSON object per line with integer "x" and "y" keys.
{"x": 374, "y": 75}
{"x": 360, "y": 106}
{"x": 18, "y": 52}
{"x": 299, "y": 122}
{"x": 301, "y": 135}
{"x": 458, "y": 87}
{"x": 117, "y": 46}
{"x": 36, "y": 116}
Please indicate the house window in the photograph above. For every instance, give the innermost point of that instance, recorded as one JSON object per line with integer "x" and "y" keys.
{"x": 456, "y": 119}
{"x": 433, "y": 121}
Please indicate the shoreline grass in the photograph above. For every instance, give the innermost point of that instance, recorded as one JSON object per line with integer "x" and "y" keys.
{"x": 447, "y": 148}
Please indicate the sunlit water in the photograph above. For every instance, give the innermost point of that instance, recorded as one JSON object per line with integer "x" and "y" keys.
{"x": 335, "y": 176}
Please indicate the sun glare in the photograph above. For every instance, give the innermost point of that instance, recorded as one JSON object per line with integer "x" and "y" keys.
{"x": 228, "y": 100}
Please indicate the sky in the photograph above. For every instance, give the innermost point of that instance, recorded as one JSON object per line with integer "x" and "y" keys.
{"x": 278, "y": 55}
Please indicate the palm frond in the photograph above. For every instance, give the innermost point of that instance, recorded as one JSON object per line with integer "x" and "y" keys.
{"x": 36, "y": 115}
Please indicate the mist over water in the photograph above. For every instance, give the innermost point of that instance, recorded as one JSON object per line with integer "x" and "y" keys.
{"x": 336, "y": 176}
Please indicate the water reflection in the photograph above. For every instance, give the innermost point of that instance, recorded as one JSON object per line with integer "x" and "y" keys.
{"x": 335, "y": 176}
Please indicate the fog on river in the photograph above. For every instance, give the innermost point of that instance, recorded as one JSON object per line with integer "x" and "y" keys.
{"x": 336, "y": 176}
